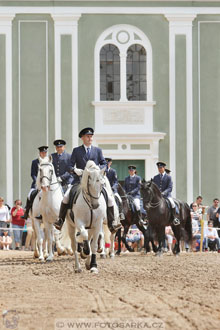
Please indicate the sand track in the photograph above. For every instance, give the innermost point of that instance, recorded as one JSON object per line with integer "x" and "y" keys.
{"x": 184, "y": 291}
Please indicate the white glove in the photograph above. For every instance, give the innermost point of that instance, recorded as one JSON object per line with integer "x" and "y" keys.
{"x": 59, "y": 179}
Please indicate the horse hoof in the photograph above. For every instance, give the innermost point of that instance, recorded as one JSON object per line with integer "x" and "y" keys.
{"x": 82, "y": 255}
{"x": 69, "y": 251}
{"x": 61, "y": 252}
{"x": 111, "y": 255}
{"x": 102, "y": 256}
{"x": 77, "y": 271}
{"x": 94, "y": 270}
{"x": 49, "y": 260}
{"x": 87, "y": 267}
{"x": 100, "y": 250}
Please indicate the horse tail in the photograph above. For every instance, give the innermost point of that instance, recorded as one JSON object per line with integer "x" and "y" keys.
{"x": 188, "y": 224}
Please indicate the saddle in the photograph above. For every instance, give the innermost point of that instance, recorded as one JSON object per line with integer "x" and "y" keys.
{"x": 131, "y": 204}
{"x": 74, "y": 193}
{"x": 170, "y": 206}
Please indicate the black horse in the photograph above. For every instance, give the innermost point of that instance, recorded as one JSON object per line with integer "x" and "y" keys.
{"x": 159, "y": 215}
{"x": 131, "y": 218}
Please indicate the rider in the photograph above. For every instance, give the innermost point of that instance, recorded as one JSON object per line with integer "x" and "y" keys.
{"x": 61, "y": 163}
{"x": 113, "y": 180}
{"x": 132, "y": 187}
{"x": 165, "y": 185}
{"x": 79, "y": 158}
{"x": 33, "y": 191}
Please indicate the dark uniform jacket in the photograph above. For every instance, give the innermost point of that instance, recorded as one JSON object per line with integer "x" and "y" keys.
{"x": 132, "y": 186}
{"x": 112, "y": 177}
{"x": 79, "y": 158}
{"x": 61, "y": 165}
{"x": 34, "y": 171}
{"x": 165, "y": 185}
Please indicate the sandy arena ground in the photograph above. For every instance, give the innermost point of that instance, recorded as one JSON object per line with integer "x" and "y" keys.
{"x": 183, "y": 292}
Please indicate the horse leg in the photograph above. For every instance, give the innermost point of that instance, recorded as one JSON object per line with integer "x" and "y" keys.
{"x": 60, "y": 248}
{"x": 118, "y": 234}
{"x": 72, "y": 234}
{"x": 126, "y": 228}
{"x": 39, "y": 238}
{"x": 112, "y": 248}
{"x": 161, "y": 237}
{"x": 49, "y": 239}
{"x": 176, "y": 231}
{"x": 94, "y": 245}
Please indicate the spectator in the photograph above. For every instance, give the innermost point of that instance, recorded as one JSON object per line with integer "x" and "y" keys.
{"x": 195, "y": 213}
{"x": 5, "y": 240}
{"x": 4, "y": 216}
{"x": 213, "y": 214}
{"x": 196, "y": 234}
{"x": 198, "y": 202}
{"x": 17, "y": 222}
{"x": 211, "y": 237}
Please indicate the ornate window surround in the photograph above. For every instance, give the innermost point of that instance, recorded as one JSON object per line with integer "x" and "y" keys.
{"x": 123, "y": 36}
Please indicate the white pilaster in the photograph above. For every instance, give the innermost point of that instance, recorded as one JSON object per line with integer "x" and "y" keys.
{"x": 65, "y": 24}
{"x": 180, "y": 24}
{"x": 6, "y": 29}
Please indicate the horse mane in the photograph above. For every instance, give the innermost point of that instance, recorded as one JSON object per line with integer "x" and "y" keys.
{"x": 90, "y": 167}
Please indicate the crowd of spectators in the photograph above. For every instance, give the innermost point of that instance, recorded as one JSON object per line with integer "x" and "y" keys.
{"x": 15, "y": 232}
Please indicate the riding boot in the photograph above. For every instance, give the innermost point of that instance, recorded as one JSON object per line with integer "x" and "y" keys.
{"x": 175, "y": 221}
{"x": 27, "y": 208}
{"x": 58, "y": 224}
{"x": 112, "y": 225}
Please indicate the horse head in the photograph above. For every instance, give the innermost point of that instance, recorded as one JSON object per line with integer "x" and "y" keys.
{"x": 150, "y": 192}
{"x": 92, "y": 183}
{"x": 45, "y": 173}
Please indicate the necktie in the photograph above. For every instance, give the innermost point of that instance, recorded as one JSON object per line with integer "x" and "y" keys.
{"x": 88, "y": 153}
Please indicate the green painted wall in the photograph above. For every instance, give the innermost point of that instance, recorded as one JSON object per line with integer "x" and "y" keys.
{"x": 210, "y": 105}
{"x": 30, "y": 66}
{"x": 3, "y": 118}
{"x": 181, "y": 160}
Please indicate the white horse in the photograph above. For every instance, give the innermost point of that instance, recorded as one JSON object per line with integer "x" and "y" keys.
{"x": 47, "y": 203}
{"x": 89, "y": 213}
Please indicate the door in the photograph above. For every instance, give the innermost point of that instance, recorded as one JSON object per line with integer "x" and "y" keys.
{"x": 121, "y": 167}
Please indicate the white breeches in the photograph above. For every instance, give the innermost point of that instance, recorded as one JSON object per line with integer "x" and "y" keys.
{"x": 172, "y": 202}
{"x": 137, "y": 204}
{"x": 66, "y": 197}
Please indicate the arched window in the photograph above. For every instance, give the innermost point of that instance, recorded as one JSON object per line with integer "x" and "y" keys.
{"x": 136, "y": 73}
{"x": 109, "y": 73}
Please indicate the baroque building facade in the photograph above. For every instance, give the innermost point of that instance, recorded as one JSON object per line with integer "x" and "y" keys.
{"x": 144, "y": 74}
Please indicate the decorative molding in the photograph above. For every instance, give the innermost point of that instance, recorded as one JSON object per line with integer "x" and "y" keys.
{"x": 179, "y": 26}
{"x": 150, "y": 156}
{"x": 66, "y": 24}
{"x": 118, "y": 117}
{"x": 53, "y": 10}
{"x": 6, "y": 29}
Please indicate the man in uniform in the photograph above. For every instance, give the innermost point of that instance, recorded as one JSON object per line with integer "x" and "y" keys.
{"x": 33, "y": 192}
{"x": 113, "y": 180}
{"x": 132, "y": 187}
{"x": 79, "y": 158}
{"x": 165, "y": 185}
{"x": 61, "y": 163}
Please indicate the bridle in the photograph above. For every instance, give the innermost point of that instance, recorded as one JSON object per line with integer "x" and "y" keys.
{"x": 49, "y": 178}
{"x": 150, "y": 204}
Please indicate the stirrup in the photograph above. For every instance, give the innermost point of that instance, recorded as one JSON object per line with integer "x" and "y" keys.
{"x": 176, "y": 222}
